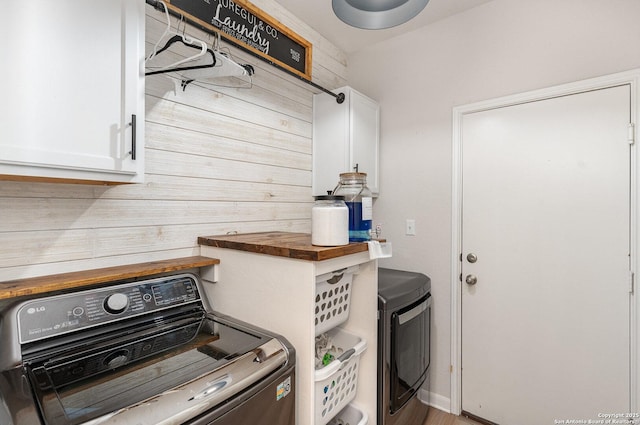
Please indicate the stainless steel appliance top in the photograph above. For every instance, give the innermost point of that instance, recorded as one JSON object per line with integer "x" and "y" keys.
{"x": 148, "y": 350}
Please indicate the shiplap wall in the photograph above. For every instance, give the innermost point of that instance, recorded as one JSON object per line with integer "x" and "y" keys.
{"x": 217, "y": 160}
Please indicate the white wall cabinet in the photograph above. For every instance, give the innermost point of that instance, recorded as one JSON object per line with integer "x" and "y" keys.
{"x": 345, "y": 135}
{"x": 73, "y": 79}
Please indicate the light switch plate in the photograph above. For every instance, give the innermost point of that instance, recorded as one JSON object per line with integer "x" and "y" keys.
{"x": 410, "y": 227}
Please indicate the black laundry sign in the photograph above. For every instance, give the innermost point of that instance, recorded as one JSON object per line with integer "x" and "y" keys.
{"x": 241, "y": 22}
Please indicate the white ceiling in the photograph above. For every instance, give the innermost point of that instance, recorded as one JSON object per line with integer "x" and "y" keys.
{"x": 318, "y": 14}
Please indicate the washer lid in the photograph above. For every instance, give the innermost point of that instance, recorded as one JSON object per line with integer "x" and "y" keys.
{"x": 143, "y": 376}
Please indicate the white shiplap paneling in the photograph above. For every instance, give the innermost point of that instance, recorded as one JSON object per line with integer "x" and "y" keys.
{"x": 218, "y": 159}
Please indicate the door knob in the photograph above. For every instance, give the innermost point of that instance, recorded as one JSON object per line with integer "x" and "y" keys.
{"x": 471, "y": 279}
{"x": 472, "y": 258}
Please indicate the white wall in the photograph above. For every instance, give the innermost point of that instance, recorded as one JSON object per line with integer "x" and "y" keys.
{"x": 207, "y": 174}
{"x": 218, "y": 160}
{"x": 499, "y": 48}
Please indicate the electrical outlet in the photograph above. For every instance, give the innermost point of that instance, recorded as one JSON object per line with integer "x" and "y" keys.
{"x": 378, "y": 231}
{"x": 410, "y": 227}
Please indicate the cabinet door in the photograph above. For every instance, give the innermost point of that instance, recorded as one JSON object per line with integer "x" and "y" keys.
{"x": 330, "y": 142}
{"x": 73, "y": 81}
{"x": 364, "y": 125}
{"x": 344, "y": 135}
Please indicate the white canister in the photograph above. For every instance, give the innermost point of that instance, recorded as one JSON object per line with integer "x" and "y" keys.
{"x": 329, "y": 221}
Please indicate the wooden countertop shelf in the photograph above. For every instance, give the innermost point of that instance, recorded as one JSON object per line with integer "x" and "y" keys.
{"x": 73, "y": 280}
{"x": 282, "y": 244}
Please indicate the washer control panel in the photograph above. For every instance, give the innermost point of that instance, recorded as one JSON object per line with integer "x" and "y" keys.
{"x": 52, "y": 316}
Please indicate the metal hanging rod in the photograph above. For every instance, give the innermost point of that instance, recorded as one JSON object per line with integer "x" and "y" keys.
{"x": 340, "y": 97}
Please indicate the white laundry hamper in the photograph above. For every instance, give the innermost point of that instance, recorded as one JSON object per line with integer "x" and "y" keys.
{"x": 350, "y": 415}
{"x": 333, "y": 297}
{"x": 336, "y": 383}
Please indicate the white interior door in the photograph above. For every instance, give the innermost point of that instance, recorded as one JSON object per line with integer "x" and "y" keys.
{"x": 546, "y": 211}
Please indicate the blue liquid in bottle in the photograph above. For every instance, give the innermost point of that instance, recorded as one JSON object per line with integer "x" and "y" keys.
{"x": 359, "y": 229}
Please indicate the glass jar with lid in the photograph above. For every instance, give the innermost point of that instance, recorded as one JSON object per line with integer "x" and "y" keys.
{"x": 357, "y": 196}
{"x": 329, "y": 221}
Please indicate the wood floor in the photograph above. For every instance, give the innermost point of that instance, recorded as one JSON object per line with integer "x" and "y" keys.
{"x": 438, "y": 417}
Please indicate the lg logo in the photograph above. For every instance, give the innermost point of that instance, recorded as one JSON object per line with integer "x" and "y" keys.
{"x": 32, "y": 310}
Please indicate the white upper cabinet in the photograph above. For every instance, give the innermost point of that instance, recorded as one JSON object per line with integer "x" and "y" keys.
{"x": 345, "y": 136}
{"x": 73, "y": 90}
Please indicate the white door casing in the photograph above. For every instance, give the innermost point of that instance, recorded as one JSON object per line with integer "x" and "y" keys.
{"x": 521, "y": 160}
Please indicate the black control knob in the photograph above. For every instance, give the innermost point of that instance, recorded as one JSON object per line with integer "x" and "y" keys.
{"x": 116, "y": 303}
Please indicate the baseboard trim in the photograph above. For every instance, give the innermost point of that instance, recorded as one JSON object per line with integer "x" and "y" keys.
{"x": 435, "y": 400}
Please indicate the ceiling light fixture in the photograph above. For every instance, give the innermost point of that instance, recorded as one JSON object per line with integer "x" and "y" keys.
{"x": 377, "y": 14}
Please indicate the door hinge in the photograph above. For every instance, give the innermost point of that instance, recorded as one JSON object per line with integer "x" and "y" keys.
{"x": 631, "y": 282}
{"x": 450, "y": 368}
{"x": 631, "y": 135}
